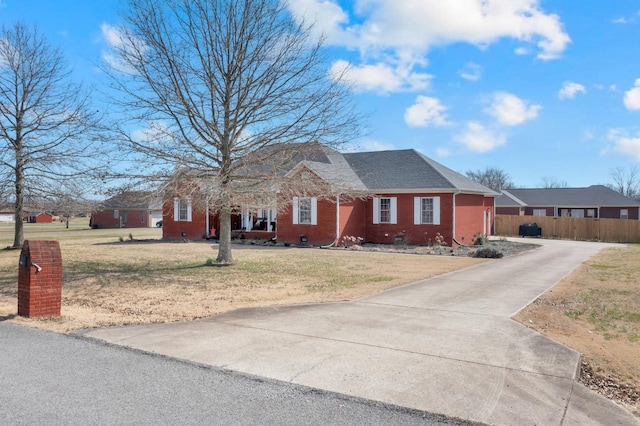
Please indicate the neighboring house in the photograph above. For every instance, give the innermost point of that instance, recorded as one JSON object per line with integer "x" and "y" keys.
{"x": 7, "y": 216}
{"x": 133, "y": 209}
{"x": 387, "y": 197}
{"x": 596, "y": 201}
{"x": 41, "y": 217}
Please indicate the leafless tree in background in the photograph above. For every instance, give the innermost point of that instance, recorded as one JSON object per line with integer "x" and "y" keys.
{"x": 491, "y": 177}
{"x": 216, "y": 84}
{"x": 551, "y": 182}
{"x": 45, "y": 122}
{"x": 626, "y": 181}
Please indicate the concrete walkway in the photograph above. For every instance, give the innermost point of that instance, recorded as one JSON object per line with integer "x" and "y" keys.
{"x": 445, "y": 345}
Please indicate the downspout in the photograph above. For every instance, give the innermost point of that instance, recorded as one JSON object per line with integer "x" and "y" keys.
{"x": 453, "y": 237}
{"x": 206, "y": 231}
{"x": 335, "y": 240}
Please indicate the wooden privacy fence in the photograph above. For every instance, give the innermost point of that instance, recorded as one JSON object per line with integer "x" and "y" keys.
{"x": 573, "y": 228}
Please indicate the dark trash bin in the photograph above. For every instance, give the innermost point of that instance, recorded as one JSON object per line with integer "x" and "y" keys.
{"x": 530, "y": 230}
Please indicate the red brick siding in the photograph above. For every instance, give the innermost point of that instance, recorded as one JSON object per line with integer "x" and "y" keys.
{"x": 471, "y": 213}
{"x": 40, "y": 218}
{"x": 321, "y": 234}
{"x": 384, "y": 233}
{"x": 40, "y": 293}
{"x": 179, "y": 230}
{"x": 106, "y": 219}
{"x": 352, "y": 218}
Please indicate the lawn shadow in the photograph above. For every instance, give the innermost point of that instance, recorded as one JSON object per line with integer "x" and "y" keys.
{"x": 7, "y": 317}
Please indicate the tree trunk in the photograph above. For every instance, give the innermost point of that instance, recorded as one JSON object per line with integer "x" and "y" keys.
{"x": 18, "y": 237}
{"x": 224, "y": 244}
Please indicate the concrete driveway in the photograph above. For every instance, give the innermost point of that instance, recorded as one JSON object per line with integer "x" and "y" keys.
{"x": 445, "y": 345}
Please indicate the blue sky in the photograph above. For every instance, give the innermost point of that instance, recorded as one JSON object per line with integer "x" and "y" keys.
{"x": 540, "y": 89}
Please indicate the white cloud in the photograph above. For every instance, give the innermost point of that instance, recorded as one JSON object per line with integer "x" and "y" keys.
{"x": 393, "y": 37}
{"x": 381, "y": 77}
{"x": 444, "y": 152}
{"x": 570, "y": 89}
{"x": 471, "y": 72}
{"x": 395, "y": 24}
{"x": 156, "y": 132}
{"x": 625, "y": 144}
{"x": 478, "y": 138}
{"x": 6, "y": 50}
{"x": 632, "y": 97}
{"x": 510, "y": 110}
{"x": 624, "y": 20}
{"x": 425, "y": 112}
{"x": 118, "y": 40}
{"x": 370, "y": 145}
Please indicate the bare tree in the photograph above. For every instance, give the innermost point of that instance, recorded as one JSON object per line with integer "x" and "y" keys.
{"x": 44, "y": 121}
{"x": 626, "y": 181}
{"x": 216, "y": 84}
{"x": 551, "y": 182}
{"x": 491, "y": 177}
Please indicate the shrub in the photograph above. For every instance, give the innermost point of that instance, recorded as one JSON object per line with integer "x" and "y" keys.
{"x": 349, "y": 241}
{"x": 479, "y": 239}
{"x": 488, "y": 253}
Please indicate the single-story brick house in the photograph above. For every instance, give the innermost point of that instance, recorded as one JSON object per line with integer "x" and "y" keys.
{"x": 130, "y": 209}
{"x": 41, "y": 217}
{"x": 402, "y": 195}
{"x": 596, "y": 201}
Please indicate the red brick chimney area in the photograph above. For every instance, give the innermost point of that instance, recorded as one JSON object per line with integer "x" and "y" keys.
{"x": 40, "y": 279}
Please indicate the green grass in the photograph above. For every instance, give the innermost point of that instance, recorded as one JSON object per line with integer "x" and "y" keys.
{"x": 573, "y": 314}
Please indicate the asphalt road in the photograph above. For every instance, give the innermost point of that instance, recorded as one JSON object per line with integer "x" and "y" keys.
{"x": 55, "y": 379}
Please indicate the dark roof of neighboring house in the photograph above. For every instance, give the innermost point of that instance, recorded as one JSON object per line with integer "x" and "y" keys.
{"x": 407, "y": 170}
{"x": 132, "y": 200}
{"x": 592, "y": 196}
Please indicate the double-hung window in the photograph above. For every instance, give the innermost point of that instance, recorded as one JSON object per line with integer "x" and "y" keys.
{"x": 182, "y": 210}
{"x": 426, "y": 210}
{"x": 385, "y": 210}
{"x": 305, "y": 211}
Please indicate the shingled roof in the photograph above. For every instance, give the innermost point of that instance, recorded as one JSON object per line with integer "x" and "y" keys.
{"x": 592, "y": 196}
{"x": 132, "y": 200}
{"x": 408, "y": 170}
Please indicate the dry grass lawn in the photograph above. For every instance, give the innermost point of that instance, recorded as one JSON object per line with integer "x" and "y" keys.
{"x": 596, "y": 311}
{"x": 143, "y": 280}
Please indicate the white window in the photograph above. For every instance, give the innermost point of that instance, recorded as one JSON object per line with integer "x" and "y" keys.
{"x": 181, "y": 210}
{"x": 116, "y": 214}
{"x": 539, "y": 212}
{"x": 577, "y": 213}
{"x": 426, "y": 210}
{"x": 305, "y": 211}
{"x": 385, "y": 210}
{"x": 624, "y": 213}
{"x": 591, "y": 213}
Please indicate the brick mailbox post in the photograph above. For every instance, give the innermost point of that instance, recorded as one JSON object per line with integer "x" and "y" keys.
{"x": 40, "y": 279}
